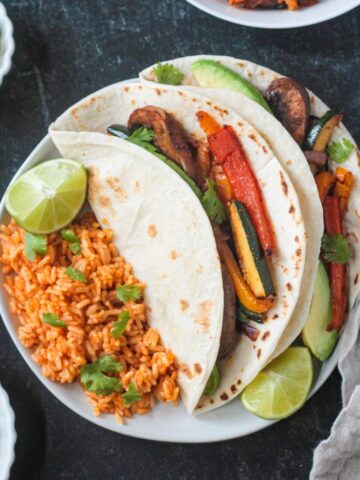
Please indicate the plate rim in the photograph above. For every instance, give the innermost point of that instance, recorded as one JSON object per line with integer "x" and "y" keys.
{"x": 10, "y": 435}
{"x": 295, "y": 23}
{"x": 46, "y": 144}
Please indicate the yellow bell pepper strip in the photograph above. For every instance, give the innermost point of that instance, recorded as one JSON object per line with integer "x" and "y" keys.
{"x": 243, "y": 292}
{"x": 324, "y": 181}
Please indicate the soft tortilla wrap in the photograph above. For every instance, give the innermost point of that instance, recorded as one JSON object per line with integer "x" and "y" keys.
{"x": 293, "y": 160}
{"x": 114, "y": 105}
{"x": 144, "y": 204}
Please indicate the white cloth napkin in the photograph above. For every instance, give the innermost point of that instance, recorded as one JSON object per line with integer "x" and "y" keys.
{"x": 338, "y": 457}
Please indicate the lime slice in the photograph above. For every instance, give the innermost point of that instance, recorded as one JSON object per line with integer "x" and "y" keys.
{"x": 47, "y": 197}
{"x": 282, "y": 387}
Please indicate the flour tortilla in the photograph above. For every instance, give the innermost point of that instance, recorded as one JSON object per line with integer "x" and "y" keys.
{"x": 291, "y": 157}
{"x": 114, "y": 104}
{"x": 144, "y": 204}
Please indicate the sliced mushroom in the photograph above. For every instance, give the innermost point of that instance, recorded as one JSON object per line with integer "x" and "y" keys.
{"x": 290, "y": 104}
{"x": 228, "y": 339}
{"x": 203, "y": 164}
{"x": 169, "y": 137}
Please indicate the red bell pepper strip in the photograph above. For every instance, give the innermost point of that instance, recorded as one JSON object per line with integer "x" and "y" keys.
{"x": 229, "y": 152}
{"x": 337, "y": 271}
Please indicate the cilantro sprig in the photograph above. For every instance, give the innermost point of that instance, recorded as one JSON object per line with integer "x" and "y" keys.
{"x": 128, "y": 292}
{"x": 94, "y": 379}
{"x": 132, "y": 395}
{"x": 35, "y": 245}
{"x": 168, "y": 74}
{"x": 335, "y": 248}
{"x": 53, "y": 320}
{"x": 119, "y": 326}
{"x": 339, "y": 152}
{"x": 74, "y": 241}
{"x": 76, "y": 274}
{"x": 212, "y": 204}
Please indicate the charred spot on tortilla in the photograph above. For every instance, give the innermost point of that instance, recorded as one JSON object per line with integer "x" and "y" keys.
{"x": 152, "y": 230}
{"x": 137, "y": 186}
{"x": 105, "y": 221}
{"x": 289, "y": 162}
{"x": 184, "y": 305}
{"x": 158, "y": 91}
{"x": 264, "y": 149}
{"x": 114, "y": 184}
{"x": 222, "y": 111}
{"x": 126, "y": 89}
{"x": 224, "y": 396}
{"x": 105, "y": 202}
{"x": 197, "y": 368}
{"x": 238, "y": 382}
{"x": 173, "y": 254}
{"x": 298, "y": 252}
{"x": 289, "y": 286}
{"x": 352, "y": 236}
{"x": 233, "y": 389}
{"x": 284, "y": 185}
{"x": 185, "y": 370}
{"x": 291, "y": 209}
{"x": 240, "y": 124}
{"x": 275, "y": 316}
{"x": 258, "y": 353}
{"x": 203, "y": 315}
{"x": 265, "y": 335}
{"x": 297, "y": 239}
{"x": 356, "y": 279}
{"x": 211, "y": 401}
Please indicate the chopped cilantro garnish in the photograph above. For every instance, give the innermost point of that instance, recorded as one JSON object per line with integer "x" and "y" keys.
{"x": 35, "y": 244}
{"x": 94, "y": 379}
{"x": 335, "y": 248}
{"x": 119, "y": 327}
{"x": 128, "y": 292}
{"x": 212, "y": 204}
{"x": 53, "y": 320}
{"x": 132, "y": 395}
{"x": 169, "y": 74}
{"x": 142, "y": 137}
{"x": 73, "y": 240}
{"x": 75, "y": 274}
{"x": 339, "y": 152}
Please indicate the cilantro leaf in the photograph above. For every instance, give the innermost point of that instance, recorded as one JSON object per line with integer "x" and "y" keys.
{"x": 76, "y": 274}
{"x": 132, "y": 395}
{"x": 212, "y": 204}
{"x": 128, "y": 292}
{"x": 167, "y": 73}
{"x": 35, "y": 244}
{"x": 119, "y": 327}
{"x": 53, "y": 320}
{"x": 339, "y": 152}
{"x": 94, "y": 379}
{"x": 73, "y": 240}
{"x": 142, "y": 137}
{"x": 335, "y": 248}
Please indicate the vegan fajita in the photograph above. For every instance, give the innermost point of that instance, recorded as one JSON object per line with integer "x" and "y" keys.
{"x": 189, "y": 235}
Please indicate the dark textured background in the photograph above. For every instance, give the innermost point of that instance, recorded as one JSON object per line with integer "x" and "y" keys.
{"x": 66, "y": 49}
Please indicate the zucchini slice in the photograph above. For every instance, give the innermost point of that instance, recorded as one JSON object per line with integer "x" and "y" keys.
{"x": 243, "y": 313}
{"x": 320, "y": 133}
{"x": 249, "y": 251}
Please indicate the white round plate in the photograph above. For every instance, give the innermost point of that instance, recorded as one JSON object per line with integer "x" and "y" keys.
{"x": 269, "y": 18}
{"x": 7, "y": 435}
{"x": 165, "y": 422}
{"x": 7, "y": 45}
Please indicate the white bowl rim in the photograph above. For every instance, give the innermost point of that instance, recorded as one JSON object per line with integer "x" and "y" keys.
{"x": 46, "y": 145}
{"x": 7, "y": 456}
{"x": 7, "y": 44}
{"x": 296, "y": 21}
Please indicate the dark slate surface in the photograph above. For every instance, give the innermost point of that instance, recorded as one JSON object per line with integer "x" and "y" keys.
{"x": 67, "y": 49}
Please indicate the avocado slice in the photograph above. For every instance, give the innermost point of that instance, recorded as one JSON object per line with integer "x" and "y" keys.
{"x": 314, "y": 335}
{"x": 214, "y": 75}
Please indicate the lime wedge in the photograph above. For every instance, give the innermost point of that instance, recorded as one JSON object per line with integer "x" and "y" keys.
{"x": 47, "y": 197}
{"x": 282, "y": 387}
